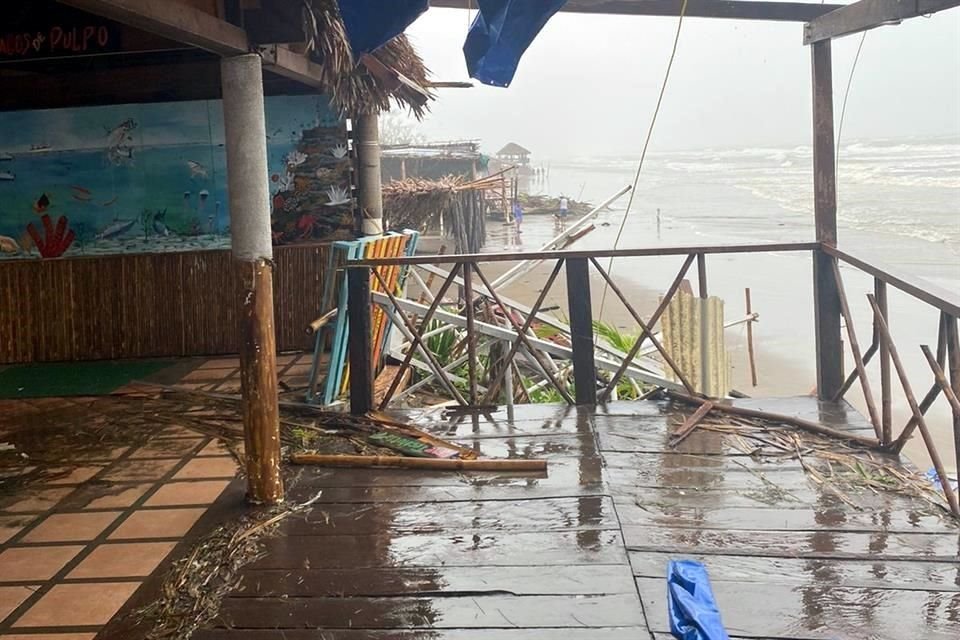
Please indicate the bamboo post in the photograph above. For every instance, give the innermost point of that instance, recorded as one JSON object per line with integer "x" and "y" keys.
{"x": 430, "y": 464}
{"x": 704, "y": 324}
{"x": 825, "y": 296}
{"x": 750, "y": 354}
{"x": 915, "y": 408}
{"x": 249, "y": 198}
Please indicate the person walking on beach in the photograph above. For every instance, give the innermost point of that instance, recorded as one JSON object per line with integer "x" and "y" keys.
{"x": 561, "y": 217}
{"x": 517, "y": 215}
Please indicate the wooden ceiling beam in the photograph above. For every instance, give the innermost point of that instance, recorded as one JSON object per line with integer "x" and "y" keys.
{"x": 730, "y": 9}
{"x": 869, "y": 14}
{"x": 171, "y": 19}
{"x": 182, "y": 22}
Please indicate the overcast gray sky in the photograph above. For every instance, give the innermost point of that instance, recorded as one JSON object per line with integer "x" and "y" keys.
{"x": 588, "y": 84}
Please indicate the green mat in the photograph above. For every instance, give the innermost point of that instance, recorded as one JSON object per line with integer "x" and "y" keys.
{"x": 74, "y": 378}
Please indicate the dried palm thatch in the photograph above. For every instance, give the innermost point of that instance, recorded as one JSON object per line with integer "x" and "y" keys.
{"x": 354, "y": 90}
{"x": 415, "y": 203}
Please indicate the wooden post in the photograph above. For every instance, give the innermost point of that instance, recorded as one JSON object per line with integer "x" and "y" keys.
{"x": 886, "y": 403}
{"x": 704, "y": 325}
{"x": 826, "y": 299}
{"x": 358, "y": 315}
{"x": 249, "y": 197}
{"x": 581, "y": 331}
{"x": 953, "y": 360}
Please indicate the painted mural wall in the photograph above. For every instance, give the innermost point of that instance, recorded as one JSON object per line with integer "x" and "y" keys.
{"x": 149, "y": 178}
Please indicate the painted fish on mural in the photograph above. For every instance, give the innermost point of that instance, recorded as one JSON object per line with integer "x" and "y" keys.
{"x": 81, "y": 193}
{"x": 6, "y": 175}
{"x": 5, "y": 157}
{"x": 9, "y": 245}
{"x": 159, "y": 223}
{"x": 197, "y": 170}
{"x": 120, "y": 156}
{"x": 119, "y": 135}
{"x": 116, "y": 228}
{"x": 110, "y": 202}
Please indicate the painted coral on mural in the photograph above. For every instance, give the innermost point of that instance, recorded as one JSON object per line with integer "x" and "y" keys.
{"x": 312, "y": 199}
{"x": 152, "y": 178}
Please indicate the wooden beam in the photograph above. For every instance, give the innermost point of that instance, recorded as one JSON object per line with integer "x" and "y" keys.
{"x": 869, "y": 14}
{"x": 579, "y": 308}
{"x": 731, "y": 9}
{"x": 183, "y": 23}
{"x": 172, "y": 19}
{"x": 826, "y": 297}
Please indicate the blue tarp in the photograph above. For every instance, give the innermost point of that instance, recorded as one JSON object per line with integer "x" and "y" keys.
{"x": 691, "y": 606}
{"x": 371, "y": 24}
{"x": 501, "y": 32}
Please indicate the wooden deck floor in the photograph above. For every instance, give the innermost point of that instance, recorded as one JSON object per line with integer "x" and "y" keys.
{"x": 580, "y": 553}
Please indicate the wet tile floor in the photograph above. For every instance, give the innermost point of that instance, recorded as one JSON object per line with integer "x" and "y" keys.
{"x": 579, "y": 552}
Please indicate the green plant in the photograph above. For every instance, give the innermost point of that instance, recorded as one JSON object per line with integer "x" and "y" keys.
{"x": 623, "y": 342}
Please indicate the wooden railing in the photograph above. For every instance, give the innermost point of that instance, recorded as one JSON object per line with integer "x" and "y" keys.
{"x": 830, "y": 300}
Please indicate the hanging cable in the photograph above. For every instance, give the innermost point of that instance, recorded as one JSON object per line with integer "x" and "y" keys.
{"x": 843, "y": 107}
{"x": 643, "y": 153}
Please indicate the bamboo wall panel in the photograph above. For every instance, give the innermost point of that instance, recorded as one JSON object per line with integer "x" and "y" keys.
{"x": 147, "y": 305}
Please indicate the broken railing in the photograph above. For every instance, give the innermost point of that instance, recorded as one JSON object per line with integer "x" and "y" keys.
{"x": 485, "y": 317}
{"x": 945, "y": 360}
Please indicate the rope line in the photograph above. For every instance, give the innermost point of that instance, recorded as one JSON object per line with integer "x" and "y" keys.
{"x": 643, "y": 153}
{"x": 843, "y": 108}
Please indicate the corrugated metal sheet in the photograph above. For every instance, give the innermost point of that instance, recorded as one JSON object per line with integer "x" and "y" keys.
{"x": 705, "y": 363}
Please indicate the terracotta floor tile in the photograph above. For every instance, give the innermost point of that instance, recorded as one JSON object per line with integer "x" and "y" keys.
{"x": 176, "y": 432}
{"x": 35, "y": 563}
{"x": 48, "y": 636}
{"x": 139, "y": 470}
{"x": 71, "y": 527}
{"x": 157, "y": 523}
{"x": 11, "y": 598}
{"x": 215, "y": 448}
{"x": 77, "y": 475}
{"x": 11, "y": 526}
{"x": 78, "y": 604}
{"x": 105, "y": 495}
{"x": 96, "y": 456}
{"x": 207, "y": 468}
{"x": 167, "y": 448}
{"x": 182, "y": 493}
{"x": 123, "y": 560}
{"x": 38, "y": 500}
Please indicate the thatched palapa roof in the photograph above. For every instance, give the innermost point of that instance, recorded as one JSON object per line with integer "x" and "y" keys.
{"x": 352, "y": 86}
{"x": 416, "y": 203}
{"x": 513, "y": 149}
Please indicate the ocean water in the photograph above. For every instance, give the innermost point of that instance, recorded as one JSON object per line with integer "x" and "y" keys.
{"x": 898, "y": 200}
